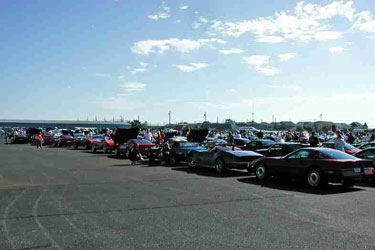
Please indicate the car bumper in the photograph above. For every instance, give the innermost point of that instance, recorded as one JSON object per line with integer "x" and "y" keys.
{"x": 350, "y": 174}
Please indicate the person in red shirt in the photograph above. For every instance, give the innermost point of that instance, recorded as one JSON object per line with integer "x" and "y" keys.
{"x": 40, "y": 141}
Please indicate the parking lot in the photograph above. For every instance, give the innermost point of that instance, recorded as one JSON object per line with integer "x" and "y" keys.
{"x": 74, "y": 199}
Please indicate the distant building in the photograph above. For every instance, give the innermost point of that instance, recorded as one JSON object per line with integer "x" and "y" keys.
{"x": 62, "y": 124}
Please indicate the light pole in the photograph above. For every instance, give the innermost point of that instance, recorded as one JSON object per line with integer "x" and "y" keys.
{"x": 205, "y": 116}
{"x": 169, "y": 117}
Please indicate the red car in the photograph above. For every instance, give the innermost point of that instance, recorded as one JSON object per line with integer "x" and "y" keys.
{"x": 64, "y": 140}
{"x": 144, "y": 147}
{"x": 349, "y": 149}
{"x": 102, "y": 142}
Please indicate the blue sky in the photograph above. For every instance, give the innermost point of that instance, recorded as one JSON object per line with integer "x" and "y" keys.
{"x": 293, "y": 60}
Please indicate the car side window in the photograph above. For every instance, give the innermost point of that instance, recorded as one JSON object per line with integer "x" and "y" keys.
{"x": 302, "y": 154}
{"x": 276, "y": 147}
{"x": 294, "y": 156}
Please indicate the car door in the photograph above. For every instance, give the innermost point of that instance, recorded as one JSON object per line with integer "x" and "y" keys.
{"x": 206, "y": 158}
{"x": 292, "y": 163}
{"x": 298, "y": 166}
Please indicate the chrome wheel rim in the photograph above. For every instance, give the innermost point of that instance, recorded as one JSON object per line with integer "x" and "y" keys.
{"x": 313, "y": 178}
{"x": 260, "y": 172}
{"x": 219, "y": 166}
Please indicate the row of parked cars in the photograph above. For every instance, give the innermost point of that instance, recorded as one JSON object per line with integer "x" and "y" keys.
{"x": 264, "y": 158}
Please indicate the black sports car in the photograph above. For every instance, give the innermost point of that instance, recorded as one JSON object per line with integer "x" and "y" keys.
{"x": 317, "y": 166}
{"x": 222, "y": 158}
{"x": 258, "y": 144}
{"x": 280, "y": 149}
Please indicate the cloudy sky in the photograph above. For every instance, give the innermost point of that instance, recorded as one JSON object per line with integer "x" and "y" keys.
{"x": 290, "y": 59}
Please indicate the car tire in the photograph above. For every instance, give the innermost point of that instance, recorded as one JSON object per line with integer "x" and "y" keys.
{"x": 220, "y": 166}
{"x": 127, "y": 153}
{"x": 261, "y": 171}
{"x": 173, "y": 160}
{"x": 93, "y": 148}
{"x": 117, "y": 151}
{"x": 191, "y": 163}
{"x": 105, "y": 149}
{"x": 348, "y": 183}
{"x": 76, "y": 146}
{"x": 315, "y": 178}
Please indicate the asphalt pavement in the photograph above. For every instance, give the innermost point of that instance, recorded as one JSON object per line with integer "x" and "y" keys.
{"x": 59, "y": 198}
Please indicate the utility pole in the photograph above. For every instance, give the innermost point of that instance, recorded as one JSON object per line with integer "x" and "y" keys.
{"x": 138, "y": 118}
{"x": 205, "y": 116}
{"x": 169, "y": 117}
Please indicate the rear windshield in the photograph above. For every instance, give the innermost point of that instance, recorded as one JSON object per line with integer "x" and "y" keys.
{"x": 335, "y": 154}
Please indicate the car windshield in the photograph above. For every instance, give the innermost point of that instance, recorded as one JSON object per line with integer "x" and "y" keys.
{"x": 335, "y": 154}
{"x": 188, "y": 144}
{"x": 97, "y": 137}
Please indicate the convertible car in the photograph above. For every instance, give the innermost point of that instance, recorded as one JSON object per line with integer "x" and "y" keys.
{"x": 222, "y": 158}
{"x": 143, "y": 145}
{"x": 102, "y": 142}
{"x": 317, "y": 166}
{"x": 349, "y": 149}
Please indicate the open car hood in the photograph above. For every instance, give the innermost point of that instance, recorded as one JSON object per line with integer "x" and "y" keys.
{"x": 123, "y": 135}
{"x": 197, "y": 135}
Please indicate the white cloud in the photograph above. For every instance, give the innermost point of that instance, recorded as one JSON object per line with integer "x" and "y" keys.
{"x": 231, "y": 51}
{"x": 138, "y": 70}
{"x": 143, "y": 64}
{"x": 328, "y": 35}
{"x": 286, "y": 57}
{"x": 336, "y": 50}
{"x": 191, "y": 67}
{"x": 257, "y": 60}
{"x": 232, "y": 90}
{"x": 184, "y": 7}
{"x": 309, "y": 21}
{"x": 182, "y": 45}
{"x": 270, "y": 39}
{"x": 130, "y": 88}
{"x": 203, "y": 20}
{"x": 162, "y": 14}
{"x": 365, "y": 22}
{"x": 261, "y": 64}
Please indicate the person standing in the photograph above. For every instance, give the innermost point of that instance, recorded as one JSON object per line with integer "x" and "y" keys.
{"x": 39, "y": 143}
{"x": 339, "y": 142}
{"x": 351, "y": 138}
{"x": 314, "y": 140}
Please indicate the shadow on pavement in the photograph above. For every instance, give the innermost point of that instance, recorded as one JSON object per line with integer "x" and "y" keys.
{"x": 297, "y": 186}
{"x": 211, "y": 172}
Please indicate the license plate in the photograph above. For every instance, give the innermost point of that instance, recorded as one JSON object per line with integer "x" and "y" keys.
{"x": 369, "y": 171}
{"x": 357, "y": 170}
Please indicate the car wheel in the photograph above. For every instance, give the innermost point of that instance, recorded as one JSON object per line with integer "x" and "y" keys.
{"x": 127, "y": 153}
{"x": 191, "y": 163}
{"x": 261, "y": 171}
{"x": 117, "y": 151}
{"x": 315, "y": 178}
{"x": 220, "y": 166}
{"x": 105, "y": 149}
{"x": 348, "y": 183}
{"x": 76, "y": 146}
{"x": 93, "y": 148}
